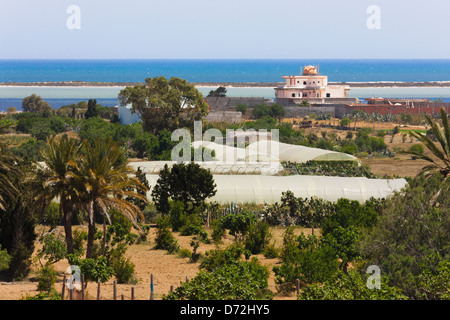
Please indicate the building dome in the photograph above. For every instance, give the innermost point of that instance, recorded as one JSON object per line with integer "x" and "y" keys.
{"x": 309, "y": 70}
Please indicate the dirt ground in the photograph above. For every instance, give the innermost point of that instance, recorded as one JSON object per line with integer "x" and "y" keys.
{"x": 167, "y": 270}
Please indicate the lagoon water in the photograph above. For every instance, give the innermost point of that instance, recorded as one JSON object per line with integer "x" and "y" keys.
{"x": 213, "y": 71}
{"x": 60, "y": 96}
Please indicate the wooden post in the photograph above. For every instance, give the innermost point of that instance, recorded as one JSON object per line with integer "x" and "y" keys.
{"x": 132, "y": 293}
{"x": 297, "y": 284}
{"x": 63, "y": 288}
{"x": 115, "y": 289}
{"x": 171, "y": 288}
{"x": 98, "y": 290}
{"x": 187, "y": 279}
{"x": 82, "y": 287}
{"x": 152, "y": 294}
{"x": 123, "y": 298}
{"x": 71, "y": 294}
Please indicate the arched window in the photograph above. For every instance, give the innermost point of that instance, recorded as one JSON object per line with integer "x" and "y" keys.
{"x": 293, "y": 95}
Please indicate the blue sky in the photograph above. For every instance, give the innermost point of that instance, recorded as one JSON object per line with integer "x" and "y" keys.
{"x": 227, "y": 29}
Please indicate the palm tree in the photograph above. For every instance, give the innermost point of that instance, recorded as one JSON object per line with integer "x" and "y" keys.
{"x": 104, "y": 181}
{"x": 57, "y": 182}
{"x": 442, "y": 134}
{"x": 7, "y": 167}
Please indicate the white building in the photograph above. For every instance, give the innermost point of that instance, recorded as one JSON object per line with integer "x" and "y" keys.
{"x": 310, "y": 85}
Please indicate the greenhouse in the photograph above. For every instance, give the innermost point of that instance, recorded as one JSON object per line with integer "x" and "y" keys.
{"x": 296, "y": 153}
{"x": 268, "y": 151}
{"x": 261, "y": 189}
{"x": 216, "y": 167}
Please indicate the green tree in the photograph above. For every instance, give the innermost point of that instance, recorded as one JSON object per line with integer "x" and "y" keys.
{"x": 442, "y": 134}
{"x": 35, "y": 103}
{"x": 261, "y": 110}
{"x": 17, "y": 217}
{"x": 104, "y": 180}
{"x": 7, "y": 168}
{"x": 165, "y": 104}
{"x": 242, "y": 107}
{"x": 219, "y": 92}
{"x": 277, "y": 111}
{"x": 56, "y": 180}
{"x": 413, "y": 227}
{"x": 92, "y": 110}
{"x": 189, "y": 184}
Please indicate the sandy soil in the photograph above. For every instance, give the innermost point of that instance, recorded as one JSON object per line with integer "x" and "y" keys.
{"x": 167, "y": 269}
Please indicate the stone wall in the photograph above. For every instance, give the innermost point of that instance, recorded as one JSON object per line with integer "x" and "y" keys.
{"x": 224, "y": 116}
{"x": 230, "y": 103}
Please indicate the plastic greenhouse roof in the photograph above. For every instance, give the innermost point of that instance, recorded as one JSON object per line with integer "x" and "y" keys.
{"x": 268, "y": 189}
{"x": 217, "y": 167}
{"x": 296, "y": 153}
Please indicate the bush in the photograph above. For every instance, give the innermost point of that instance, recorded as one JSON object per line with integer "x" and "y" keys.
{"x": 5, "y": 259}
{"x": 271, "y": 252}
{"x": 184, "y": 253}
{"x": 304, "y": 258}
{"x": 51, "y": 215}
{"x": 350, "y": 286}
{"x": 257, "y": 238}
{"x": 238, "y": 224}
{"x": 226, "y": 277}
{"x": 92, "y": 269}
{"x": 124, "y": 270}
{"x": 47, "y": 277}
{"x": 164, "y": 238}
{"x": 53, "y": 249}
{"x": 417, "y": 149}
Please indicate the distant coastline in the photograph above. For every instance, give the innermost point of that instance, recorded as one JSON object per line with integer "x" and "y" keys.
{"x": 376, "y": 84}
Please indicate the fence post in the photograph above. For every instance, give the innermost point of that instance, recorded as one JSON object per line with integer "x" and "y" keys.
{"x": 152, "y": 294}
{"x": 132, "y": 293}
{"x": 98, "y": 290}
{"x": 82, "y": 287}
{"x": 115, "y": 289}
{"x": 123, "y": 298}
{"x": 63, "y": 288}
{"x": 171, "y": 288}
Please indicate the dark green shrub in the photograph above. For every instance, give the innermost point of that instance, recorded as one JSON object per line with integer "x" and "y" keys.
{"x": 47, "y": 277}
{"x": 238, "y": 224}
{"x": 164, "y": 237}
{"x": 271, "y": 252}
{"x": 92, "y": 269}
{"x": 258, "y": 237}
{"x": 349, "y": 286}
{"x": 5, "y": 259}
{"x": 124, "y": 270}
{"x": 226, "y": 277}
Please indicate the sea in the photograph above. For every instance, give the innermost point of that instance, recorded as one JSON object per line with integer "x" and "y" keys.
{"x": 216, "y": 71}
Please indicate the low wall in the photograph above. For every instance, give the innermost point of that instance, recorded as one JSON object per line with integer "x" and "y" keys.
{"x": 224, "y": 116}
{"x": 230, "y": 103}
